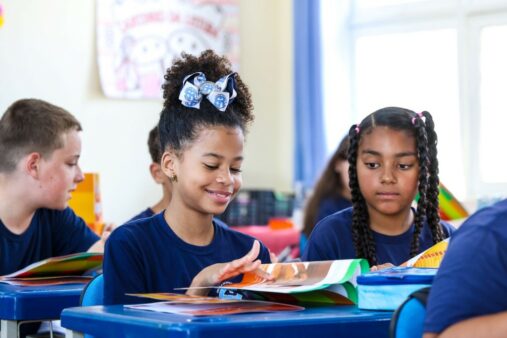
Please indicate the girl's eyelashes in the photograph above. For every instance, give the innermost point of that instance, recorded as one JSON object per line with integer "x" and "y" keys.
{"x": 401, "y": 166}
{"x": 210, "y": 166}
{"x": 405, "y": 166}
{"x": 372, "y": 165}
{"x": 215, "y": 167}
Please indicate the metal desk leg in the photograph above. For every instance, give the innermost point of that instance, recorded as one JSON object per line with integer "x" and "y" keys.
{"x": 9, "y": 329}
{"x": 73, "y": 334}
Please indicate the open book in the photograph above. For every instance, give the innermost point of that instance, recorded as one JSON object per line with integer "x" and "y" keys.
{"x": 56, "y": 270}
{"x": 207, "y": 306}
{"x": 328, "y": 282}
{"x": 429, "y": 258}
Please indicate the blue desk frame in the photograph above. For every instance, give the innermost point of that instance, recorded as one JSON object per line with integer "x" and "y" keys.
{"x": 117, "y": 321}
{"x": 34, "y": 303}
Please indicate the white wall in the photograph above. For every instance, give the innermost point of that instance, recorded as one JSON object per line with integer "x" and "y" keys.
{"x": 47, "y": 51}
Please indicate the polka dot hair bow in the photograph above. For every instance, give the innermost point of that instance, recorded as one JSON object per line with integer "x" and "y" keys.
{"x": 220, "y": 93}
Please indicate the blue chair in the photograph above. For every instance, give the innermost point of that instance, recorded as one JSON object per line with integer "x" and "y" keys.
{"x": 93, "y": 293}
{"x": 408, "y": 319}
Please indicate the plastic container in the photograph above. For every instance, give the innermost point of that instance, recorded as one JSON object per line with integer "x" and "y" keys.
{"x": 387, "y": 289}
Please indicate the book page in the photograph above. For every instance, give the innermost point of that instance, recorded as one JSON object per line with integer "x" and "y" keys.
{"x": 302, "y": 276}
{"x": 207, "y": 306}
{"x": 69, "y": 265}
{"x": 430, "y": 258}
{"x": 214, "y": 309}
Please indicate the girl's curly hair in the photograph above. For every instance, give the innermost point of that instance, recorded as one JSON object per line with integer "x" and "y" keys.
{"x": 180, "y": 125}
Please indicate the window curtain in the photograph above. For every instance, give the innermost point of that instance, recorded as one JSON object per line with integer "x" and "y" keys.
{"x": 310, "y": 144}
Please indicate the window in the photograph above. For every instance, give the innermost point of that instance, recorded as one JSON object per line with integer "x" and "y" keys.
{"x": 493, "y": 104}
{"x": 444, "y": 56}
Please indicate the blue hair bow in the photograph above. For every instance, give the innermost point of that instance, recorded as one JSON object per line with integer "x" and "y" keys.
{"x": 220, "y": 93}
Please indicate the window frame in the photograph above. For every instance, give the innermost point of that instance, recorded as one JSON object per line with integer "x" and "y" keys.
{"x": 468, "y": 17}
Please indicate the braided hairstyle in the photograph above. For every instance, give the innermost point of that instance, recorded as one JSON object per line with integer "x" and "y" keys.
{"x": 421, "y": 127}
{"x": 180, "y": 125}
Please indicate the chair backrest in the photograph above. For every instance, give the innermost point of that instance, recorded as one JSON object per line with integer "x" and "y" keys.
{"x": 408, "y": 319}
{"x": 93, "y": 293}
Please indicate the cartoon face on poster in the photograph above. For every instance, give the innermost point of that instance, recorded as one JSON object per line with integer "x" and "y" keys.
{"x": 139, "y": 39}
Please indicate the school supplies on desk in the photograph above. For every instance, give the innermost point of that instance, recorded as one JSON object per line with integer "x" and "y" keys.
{"x": 320, "y": 282}
{"x": 56, "y": 270}
{"x": 387, "y": 289}
{"x": 207, "y": 306}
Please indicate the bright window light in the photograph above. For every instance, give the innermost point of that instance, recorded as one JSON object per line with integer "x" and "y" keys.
{"x": 380, "y": 3}
{"x": 419, "y": 71}
{"x": 493, "y": 104}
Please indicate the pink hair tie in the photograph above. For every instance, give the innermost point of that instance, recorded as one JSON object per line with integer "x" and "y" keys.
{"x": 357, "y": 129}
{"x": 421, "y": 116}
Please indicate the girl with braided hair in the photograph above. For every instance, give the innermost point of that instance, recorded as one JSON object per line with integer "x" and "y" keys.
{"x": 392, "y": 157}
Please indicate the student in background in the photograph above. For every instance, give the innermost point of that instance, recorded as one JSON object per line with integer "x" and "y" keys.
{"x": 40, "y": 147}
{"x": 206, "y": 112}
{"x": 468, "y": 297}
{"x": 158, "y": 175}
{"x": 392, "y": 156}
{"x": 332, "y": 192}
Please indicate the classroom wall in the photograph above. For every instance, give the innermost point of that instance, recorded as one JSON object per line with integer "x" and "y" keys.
{"x": 48, "y": 51}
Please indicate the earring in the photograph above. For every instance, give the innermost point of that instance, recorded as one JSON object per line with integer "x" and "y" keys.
{"x": 173, "y": 178}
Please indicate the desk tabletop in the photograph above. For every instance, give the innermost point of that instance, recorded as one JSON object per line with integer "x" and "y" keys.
{"x": 37, "y": 302}
{"x": 338, "y": 321}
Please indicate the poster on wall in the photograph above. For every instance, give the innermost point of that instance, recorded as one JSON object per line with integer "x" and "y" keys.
{"x": 138, "y": 40}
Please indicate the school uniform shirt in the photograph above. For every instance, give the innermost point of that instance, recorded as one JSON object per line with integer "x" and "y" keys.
{"x": 50, "y": 233}
{"x": 149, "y": 212}
{"x": 143, "y": 214}
{"x": 329, "y": 206}
{"x": 472, "y": 279}
{"x": 332, "y": 239}
{"x": 147, "y": 256}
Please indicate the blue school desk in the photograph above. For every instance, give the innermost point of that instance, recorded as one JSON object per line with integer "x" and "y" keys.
{"x": 332, "y": 321}
{"x": 34, "y": 303}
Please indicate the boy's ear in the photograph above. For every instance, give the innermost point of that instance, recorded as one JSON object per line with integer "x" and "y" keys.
{"x": 168, "y": 163}
{"x": 32, "y": 164}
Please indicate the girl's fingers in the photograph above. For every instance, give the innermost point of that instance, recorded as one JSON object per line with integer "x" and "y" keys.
{"x": 249, "y": 257}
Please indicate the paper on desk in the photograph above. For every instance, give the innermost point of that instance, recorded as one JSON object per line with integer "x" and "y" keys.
{"x": 215, "y": 309}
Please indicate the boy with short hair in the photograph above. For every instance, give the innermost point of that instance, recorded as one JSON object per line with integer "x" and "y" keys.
{"x": 158, "y": 176}
{"x": 40, "y": 147}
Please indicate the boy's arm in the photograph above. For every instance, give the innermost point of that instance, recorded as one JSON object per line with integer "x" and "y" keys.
{"x": 69, "y": 232}
{"x": 491, "y": 326}
{"x": 99, "y": 245}
{"x": 217, "y": 273}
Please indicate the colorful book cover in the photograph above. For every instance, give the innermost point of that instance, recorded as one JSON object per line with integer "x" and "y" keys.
{"x": 46, "y": 281}
{"x": 430, "y": 258}
{"x": 48, "y": 271}
{"x": 449, "y": 206}
{"x": 207, "y": 306}
{"x": 329, "y": 282}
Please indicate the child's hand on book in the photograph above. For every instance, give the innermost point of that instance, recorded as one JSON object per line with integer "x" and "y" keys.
{"x": 217, "y": 273}
{"x": 381, "y": 267}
